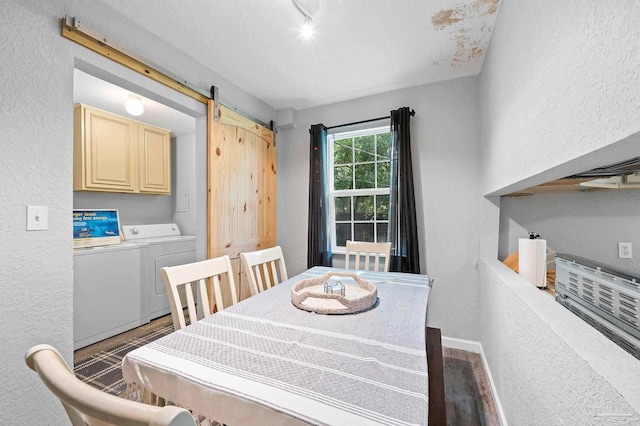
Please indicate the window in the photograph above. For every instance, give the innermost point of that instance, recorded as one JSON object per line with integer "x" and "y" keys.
{"x": 360, "y": 176}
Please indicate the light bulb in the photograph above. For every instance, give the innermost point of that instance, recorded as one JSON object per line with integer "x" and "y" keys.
{"x": 307, "y": 29}
{"x": 134, "y": 105}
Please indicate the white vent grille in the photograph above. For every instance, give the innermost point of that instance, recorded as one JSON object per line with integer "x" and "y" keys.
{"x": 608, "y": 302}
{"x": 619, "y": 337}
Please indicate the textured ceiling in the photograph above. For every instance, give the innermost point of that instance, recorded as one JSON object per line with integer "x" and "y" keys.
{"x": 359, "y": 48}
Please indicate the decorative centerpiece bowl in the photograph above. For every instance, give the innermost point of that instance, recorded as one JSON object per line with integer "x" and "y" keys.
{"x": 334, "y": 293}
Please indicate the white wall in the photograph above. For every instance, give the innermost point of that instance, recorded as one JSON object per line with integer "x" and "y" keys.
{"x": 444, "y": 136}
{"x": 36, "y": 290}
{"x": 133, "y": 209}
{"x": 585, "y": 224}
{"x": 560, "y": 86}
{"x": 560, "y": 80}
{"x": 185, "y": 178}
{"x": 549, "y": 367}
{"x": 36, "y": 134}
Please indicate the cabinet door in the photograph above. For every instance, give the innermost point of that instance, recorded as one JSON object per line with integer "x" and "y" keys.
{"x": 154, "y": 159}
{"x": 108, "y": 152}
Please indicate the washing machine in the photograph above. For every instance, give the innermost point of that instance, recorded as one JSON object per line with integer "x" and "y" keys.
{"x": 109, "y": 285}
{"x": 167, "y": 247}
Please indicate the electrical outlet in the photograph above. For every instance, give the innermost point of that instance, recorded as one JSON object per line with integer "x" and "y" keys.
{"x": 624, "y": 251}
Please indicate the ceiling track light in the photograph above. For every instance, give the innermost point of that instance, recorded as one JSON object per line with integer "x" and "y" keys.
{"x": 307, "y": 29}
{"x": 301, "y": 9}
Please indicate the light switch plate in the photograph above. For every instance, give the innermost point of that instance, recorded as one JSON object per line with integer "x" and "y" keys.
{"x": 37, "y": 218}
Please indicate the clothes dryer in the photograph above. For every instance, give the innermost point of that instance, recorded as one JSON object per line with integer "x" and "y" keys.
{"x": 167, "y": 247}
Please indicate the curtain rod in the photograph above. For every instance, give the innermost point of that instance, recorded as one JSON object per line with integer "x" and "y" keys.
{"x": 412, "y": 113}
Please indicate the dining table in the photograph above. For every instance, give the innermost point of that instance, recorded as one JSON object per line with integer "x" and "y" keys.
{"x": 265, "y": 361}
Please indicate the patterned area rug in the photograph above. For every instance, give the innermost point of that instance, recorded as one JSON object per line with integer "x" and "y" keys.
{"x": 102, "y": 370}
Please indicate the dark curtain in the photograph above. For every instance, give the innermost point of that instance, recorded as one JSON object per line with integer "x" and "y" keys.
{"x": 319, "y": 239}
{"x": 403, "y": 230}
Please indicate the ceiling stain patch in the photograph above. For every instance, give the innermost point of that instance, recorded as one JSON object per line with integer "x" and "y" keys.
{"x": 486, "y": 7}
{"x": 467, "y": 50}
{"x": 446, "y": 18}
{"x": 468, "y": 28}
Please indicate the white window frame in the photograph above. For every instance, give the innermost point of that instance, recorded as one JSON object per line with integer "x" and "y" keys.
{"x": 351, "y": 192}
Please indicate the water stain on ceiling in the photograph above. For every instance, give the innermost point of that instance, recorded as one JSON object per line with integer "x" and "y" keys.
{"x": 468, "y": 28}
{"x": 347, "y": 58}
{"x": 446, "y": 17}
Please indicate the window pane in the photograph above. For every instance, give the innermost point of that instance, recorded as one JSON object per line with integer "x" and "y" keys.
{"x": 383, "y": 147}
{"x": 343, "y": 233}
{"x": 384, "y": 175}
{"x": 365, "y": 176}
{"x": 343, "y": 208}
{"x": 343, "y": 177}
{"x": 342, "y": 151}
{"x": 364, "y": 148}
{"x": 382, "y": 207}
{"x": 363, "y": 207}
{"x": 360, "y": 163}
{"x": 363, "y": 232}
{"x": 382, "y": 229}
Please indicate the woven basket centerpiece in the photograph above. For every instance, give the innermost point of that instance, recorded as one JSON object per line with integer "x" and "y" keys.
{"x": 334, "y": 293}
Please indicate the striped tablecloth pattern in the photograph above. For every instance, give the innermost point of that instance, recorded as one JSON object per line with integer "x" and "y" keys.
{"x": 264, "y": 361}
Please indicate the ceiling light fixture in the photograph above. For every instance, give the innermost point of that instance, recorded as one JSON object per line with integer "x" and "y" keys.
{"x": 134, "y": 106}
{"x": 308, "y": 9}
{"x": 307, "y": 29}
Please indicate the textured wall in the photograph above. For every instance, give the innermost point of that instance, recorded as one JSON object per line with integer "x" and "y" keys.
{"x": 444, "y": 136}
{"x": 36, "y": 140}
{"x": 535, "y": 358}
{"x": 560, "y": 79}
{"x": 588, "y": 224}
{"x": 560, "y": 85}
{"x": 36, "y": 135}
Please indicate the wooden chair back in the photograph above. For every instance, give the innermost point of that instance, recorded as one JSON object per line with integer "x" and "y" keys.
{"x": 179, "y": 279}
{"x": 264, "y": 268}
{"x": 88, "y": 406}
{"x": 368, "y": 250}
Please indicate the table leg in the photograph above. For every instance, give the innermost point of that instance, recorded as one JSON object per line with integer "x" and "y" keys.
{"x": 435, "y": 366}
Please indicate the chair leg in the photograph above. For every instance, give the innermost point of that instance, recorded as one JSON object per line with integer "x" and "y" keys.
{"x": 150, "y": 398}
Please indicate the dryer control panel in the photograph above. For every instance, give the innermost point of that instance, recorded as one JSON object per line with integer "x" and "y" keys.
{"x": 138, "y": 232}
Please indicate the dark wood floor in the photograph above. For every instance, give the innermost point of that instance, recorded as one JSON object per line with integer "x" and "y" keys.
{"x": 467, "y": 391}
{"x": 469, "y": 400}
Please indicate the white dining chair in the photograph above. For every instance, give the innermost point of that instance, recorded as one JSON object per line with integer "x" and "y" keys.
{"x": 88, "y": 406}
{"x": 369, "y": 251}
{"x": 178, "y": 279}
{"x": 264, "y": 268}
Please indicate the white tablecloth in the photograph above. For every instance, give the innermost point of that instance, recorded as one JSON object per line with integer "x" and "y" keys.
{"x": 264, "y": 361}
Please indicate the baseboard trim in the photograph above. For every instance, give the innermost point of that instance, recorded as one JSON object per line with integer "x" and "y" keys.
{"x": 476, "y": 348}
{"x": 464, "y": 345}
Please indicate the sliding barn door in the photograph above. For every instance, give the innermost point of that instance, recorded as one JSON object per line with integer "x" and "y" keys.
{"x": 242, "y": 188}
